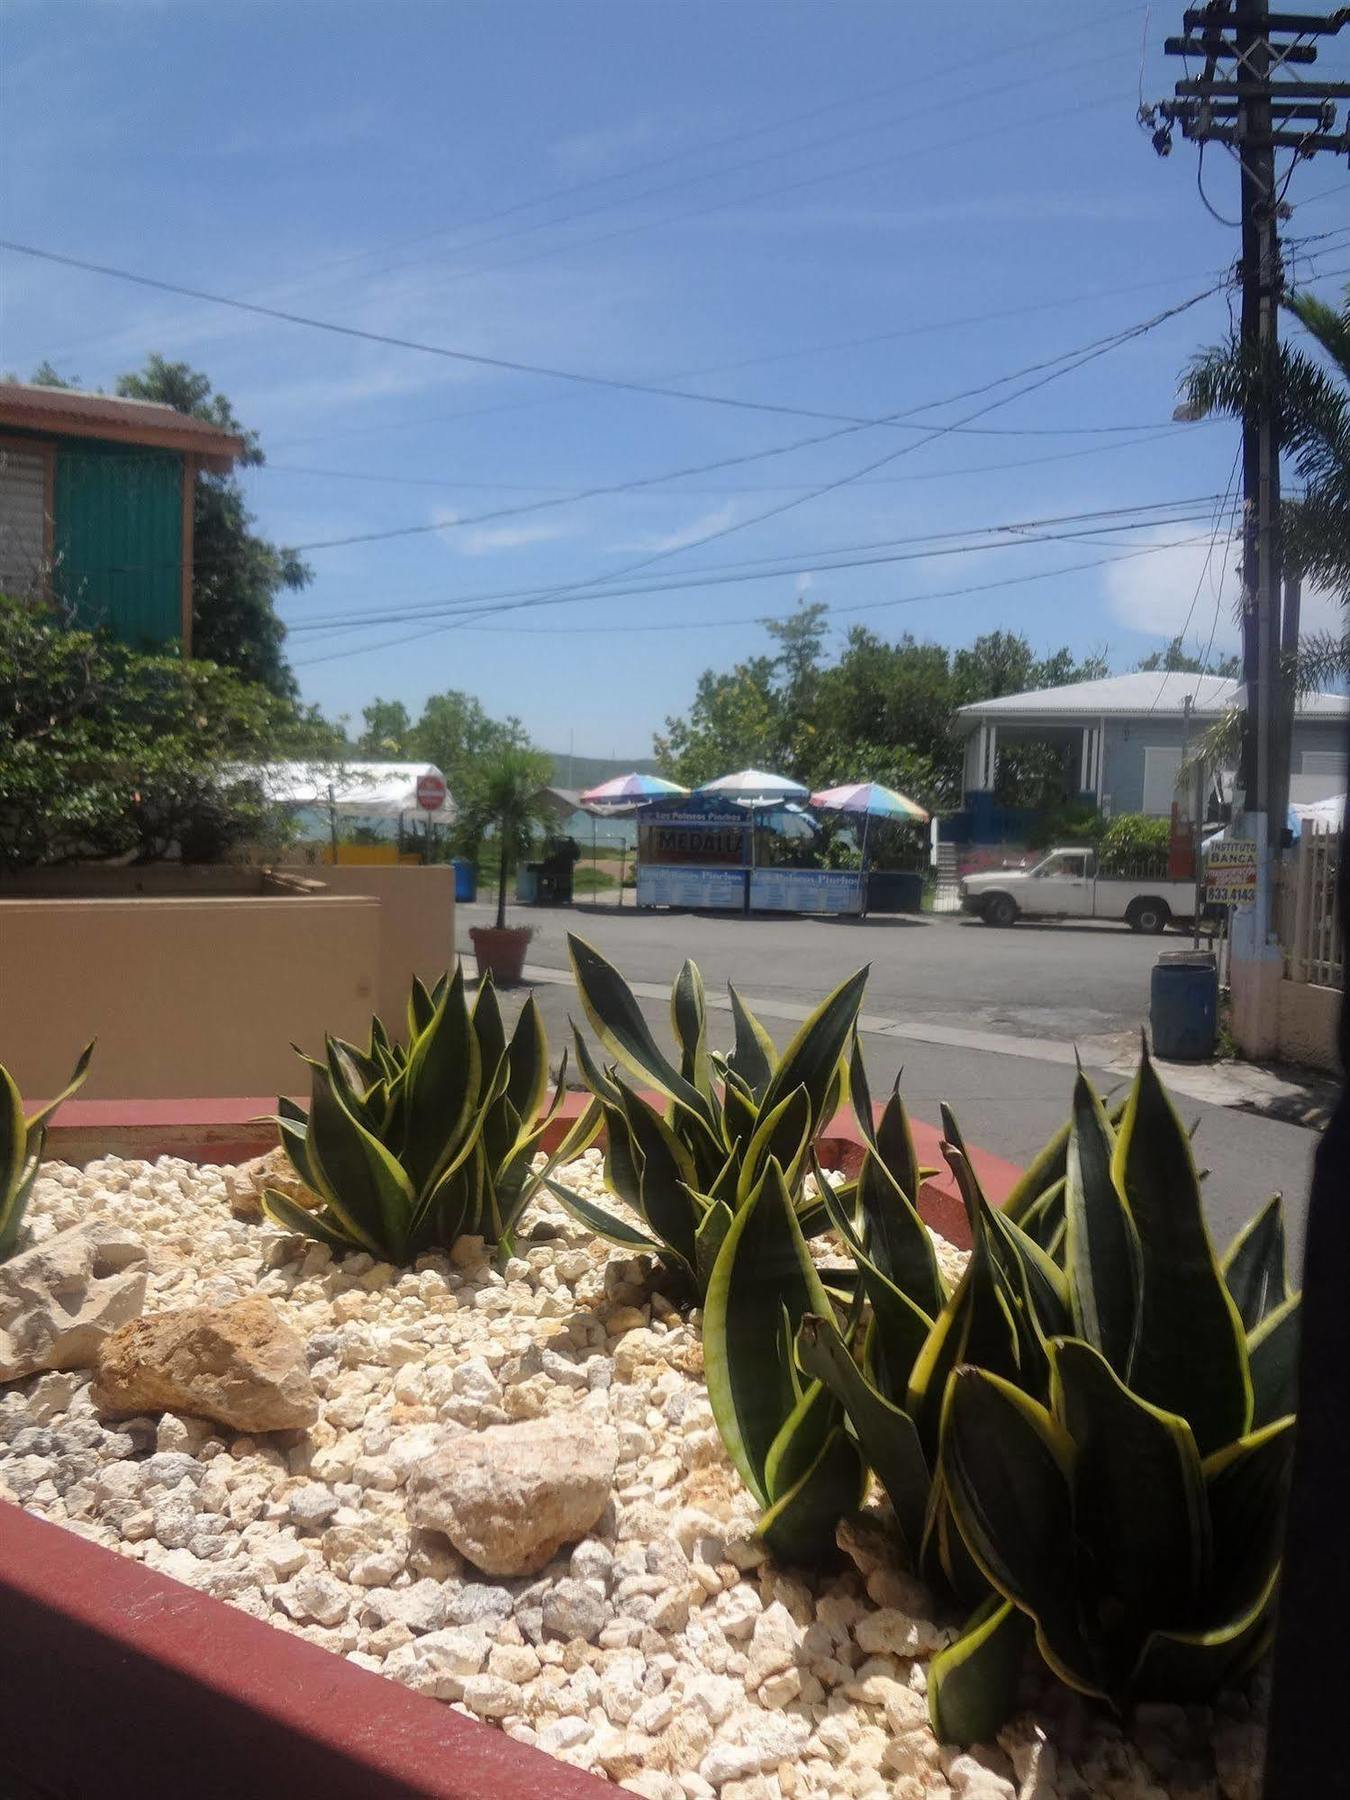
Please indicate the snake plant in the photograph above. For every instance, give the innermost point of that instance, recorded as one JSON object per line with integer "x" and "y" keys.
{"x": 1089, "y": 1443}
{"x": 411, "y": 1147}
{"x": 21, "y": 1145}
{"x": 685, "y": 1169}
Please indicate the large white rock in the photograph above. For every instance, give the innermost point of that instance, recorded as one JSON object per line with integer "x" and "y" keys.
{"x": 510, "y": 1497}
{"x": 60, "y": 1300}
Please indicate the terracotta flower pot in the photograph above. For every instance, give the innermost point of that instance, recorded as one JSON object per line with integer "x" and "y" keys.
{"x": 501, "y": 953}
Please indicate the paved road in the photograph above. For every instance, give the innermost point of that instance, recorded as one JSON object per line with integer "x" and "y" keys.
{"x": 985, "y": 1020}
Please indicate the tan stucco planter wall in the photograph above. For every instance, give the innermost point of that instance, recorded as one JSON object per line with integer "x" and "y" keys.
{"x": 417, "y": 925}
{"x": 1308, "y": 1019}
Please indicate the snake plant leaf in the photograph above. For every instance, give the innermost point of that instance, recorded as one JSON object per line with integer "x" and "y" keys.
{"x": 470, "y": 1145}
{"x": 802, "y": 1434}
{"x": 1005, "y": 1465}
{"x": 420, "y": 1008}
{"x": 666, "y": 1174}
{"x": 1191, "y": 1666}
{"x": 708, "y": 1238}
{"x": 754, "y": 1056}
{"x": 623, "y": 1166}
{"x": 291, "y": 1216}
{"x": 362, "y": 1181}
{"x": 445, "y": 1080}
{"x": 897, "y": 1239}
{"x": 1247, "y": 1485}
{"x": 597, "y": 1080}
{"x": 689, "y": 1021}
{"x": 295, "y": 1142}
{"x": 1045, "y": 1213}
{"x": 782, "y": 1136}
{"x": 944, "y": 1560}
{"x": 972, "y": 1685}
{"x": 1102, "y": 1253}
{"x": 886, "y": 1433}
{"x": 616, "y": 1018}
{"x": 1189, "y": 1354}
{"x": 527, "y": 1055}
{"x": 740, "y": 1111}
{"x": 840, "y": 1203}
{"x": 800, "y": 1527}
{"x": 14, "y": 1133}
{"x": 604, "y": 1224}
{"x": 1050, "y": 1164}
{"x": 976, "y": 1325}
{"x": 859, "y": 1093}
{"x": 1255, "y": 1265}
{"x": 896, "y": 1148}
{"x": 37, "y": 1120}
{"x": 812, "y": 1060}
{"x": 488, "y": 1025}
{"x": 1139, "y": 1510}
{"x": 762, "y": 1268}
{"x": 1272, "y": 1351}
{"x": 901, "y": 1327}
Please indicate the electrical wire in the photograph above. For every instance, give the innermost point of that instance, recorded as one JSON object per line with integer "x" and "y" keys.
{"x": 1224, "y": 509}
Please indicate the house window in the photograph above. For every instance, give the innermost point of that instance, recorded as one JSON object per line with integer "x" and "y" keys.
{"x": 23, "y": 522}
{"x": 1162, "y": 770}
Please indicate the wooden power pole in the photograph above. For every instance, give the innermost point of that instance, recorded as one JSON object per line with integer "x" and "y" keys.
{"x": 1255, "y": 95}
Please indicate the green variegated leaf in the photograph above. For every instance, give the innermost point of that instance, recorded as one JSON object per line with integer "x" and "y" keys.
{"x": 361, "y": 1180}
{"x": 76, "y": 1081}
{"x": 762, "y": 1268}
{"x": 754, "y": 1058}
{"x": 1247, "y": 1486}
{"x": 616, "y": 1018}
{"x": 1255, "y": 1266}
{"x": 1272, "y": 1352}
{"x": 601, "y": 1084}
{"x": 443, "y": 1085}
{"x": 901, "y": 1328}
{"x": 604, "y": 1224}
{"x": 13, "y": 1154}
{"x": 1050, "y": 1165}
{"x": 1005, "y": 1466}
{"x": 896, "y": 1237}
{"x": 800, "y": 1526}
{"x": 972, "y": 1686}
{"x": 287, "y": 1213}
{"x": 740, "y": 1112}
{"x": 895, "y": 1146}
{"x": 781, "y": 1135}
{"x": 812, "y": 1060}
{"x": 527, "y": 1058}
{"x": 623, "y": 1166}
{"x": 420, "y": 1008}
{"x": 1180, "y": 1666}
{"x": 666, "y": 1172}
{"x": 886, "y": 1433}
{"x": 859, "y": 1093}
{"x": 689, "y": 1022}
{"x": 436, "y": 1203}
{"x": 1189, "y": 1354}
{"x": 295, "y": 1142}
{"x": 1102, "y": 1255}
{"x": 712, "y": 1229}
{"x": 802, "y": 1433}
{"x": 1140, "y": 1519}
{"x": 488, "y": 1026}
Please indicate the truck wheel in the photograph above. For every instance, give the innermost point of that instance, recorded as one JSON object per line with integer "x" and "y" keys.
{"x": 1148, "y": 916}
{"x": 1000, "y": 909}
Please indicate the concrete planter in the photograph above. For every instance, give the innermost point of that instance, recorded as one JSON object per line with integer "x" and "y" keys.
{"x": 501, "y": 953}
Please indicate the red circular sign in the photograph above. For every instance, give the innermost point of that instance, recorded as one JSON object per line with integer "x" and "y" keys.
{"x": 431, "y": 792}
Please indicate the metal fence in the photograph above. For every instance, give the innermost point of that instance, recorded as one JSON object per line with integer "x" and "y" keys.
{"x": 1310, "y": 911}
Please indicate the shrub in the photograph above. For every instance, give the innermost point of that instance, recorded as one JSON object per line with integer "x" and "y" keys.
{"x": 1133, "y": 842}
{"x": 1088, "y": 1443}
{"x": 21, "y": 1145}
{"x": 410, "y": 1149}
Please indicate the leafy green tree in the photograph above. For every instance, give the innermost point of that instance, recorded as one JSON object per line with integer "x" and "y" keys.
{"x": 456, "y": 734}
{"x": 1177, "y": 659}
{"x": 237, "y": 575}
{"x": 387, "y": 731}
{"x": 106, "y": 751}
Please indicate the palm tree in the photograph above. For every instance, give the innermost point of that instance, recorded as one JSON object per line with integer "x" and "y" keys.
{"x": 507, "y": 798}
{"x": 1310, "y": 403}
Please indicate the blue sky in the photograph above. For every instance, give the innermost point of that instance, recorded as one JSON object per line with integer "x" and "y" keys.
{"x": 740, "y": 189}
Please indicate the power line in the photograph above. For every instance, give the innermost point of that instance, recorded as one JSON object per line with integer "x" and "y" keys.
{"x": 1147, "y": 514}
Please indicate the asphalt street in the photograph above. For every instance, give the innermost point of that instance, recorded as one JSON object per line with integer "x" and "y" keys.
{"x": 987, "y": 1020}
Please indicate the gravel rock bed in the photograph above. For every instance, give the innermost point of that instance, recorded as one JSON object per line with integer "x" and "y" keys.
{"x": 663, "y": 1650}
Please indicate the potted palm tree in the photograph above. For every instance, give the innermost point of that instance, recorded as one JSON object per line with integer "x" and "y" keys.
{"x": 507, "y": 800}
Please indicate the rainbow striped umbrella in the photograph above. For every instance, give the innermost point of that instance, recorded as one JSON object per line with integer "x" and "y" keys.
{"x": 870, "y": 798}
{"x": 623, "y": 793}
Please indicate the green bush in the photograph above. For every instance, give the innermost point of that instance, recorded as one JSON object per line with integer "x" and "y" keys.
{"x": 21, "y": 1145}
{"x": 1134, "y": 841}
{"x": 411, "y": 1148}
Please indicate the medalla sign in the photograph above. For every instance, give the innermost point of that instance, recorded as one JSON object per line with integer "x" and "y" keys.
{"x": 707, "y": 842}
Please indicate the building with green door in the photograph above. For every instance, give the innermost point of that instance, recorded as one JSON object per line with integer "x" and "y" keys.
{"x": 96, "y": 505}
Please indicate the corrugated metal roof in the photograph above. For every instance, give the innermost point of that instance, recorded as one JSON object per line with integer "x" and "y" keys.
{"x": 1146, "y": 692}
{"x": 28, "y": 406}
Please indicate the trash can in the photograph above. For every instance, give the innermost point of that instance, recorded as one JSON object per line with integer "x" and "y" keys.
{"x": 466, "y": 878}
{"x": 894, "y": 890}
{"x": 1184, "y": 1009}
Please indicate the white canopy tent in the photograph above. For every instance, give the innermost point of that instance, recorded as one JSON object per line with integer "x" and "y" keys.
{"x": 363, "y": 790}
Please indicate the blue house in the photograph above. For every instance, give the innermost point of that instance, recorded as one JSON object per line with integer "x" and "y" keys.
{"x": 1120, "y": 743}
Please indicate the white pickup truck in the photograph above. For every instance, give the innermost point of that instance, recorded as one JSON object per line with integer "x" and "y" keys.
{"x": 1066, "y": 885}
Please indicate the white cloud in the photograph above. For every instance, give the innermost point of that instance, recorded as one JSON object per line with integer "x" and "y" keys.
{"x": 484, "y": 540}
{"x": 693, "y": 533}
{"x": 590, "y": 152}
{"x": 1188, "y": 588}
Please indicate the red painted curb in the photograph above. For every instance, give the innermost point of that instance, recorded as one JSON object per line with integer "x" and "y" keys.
{"x": 117, "y": 1681}
{"x": 233, "y": 1130}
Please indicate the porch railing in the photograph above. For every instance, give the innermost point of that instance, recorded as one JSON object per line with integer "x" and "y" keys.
{"x": 1310, "y": 911}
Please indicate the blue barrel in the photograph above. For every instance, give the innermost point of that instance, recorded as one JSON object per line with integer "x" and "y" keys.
{"x": 1184, "y": 1010}
{"x": 466, "y": 878}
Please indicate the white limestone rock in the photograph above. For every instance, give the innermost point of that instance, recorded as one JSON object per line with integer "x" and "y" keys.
{"x": 63, "y": 1298}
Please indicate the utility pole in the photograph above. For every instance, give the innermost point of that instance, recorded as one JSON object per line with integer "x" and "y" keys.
{"x": 1245, "y": 99}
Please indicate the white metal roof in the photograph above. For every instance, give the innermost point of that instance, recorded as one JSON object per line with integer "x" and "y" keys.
{"x": 1144, "y": 693}
{"x": 365, "y": 789}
